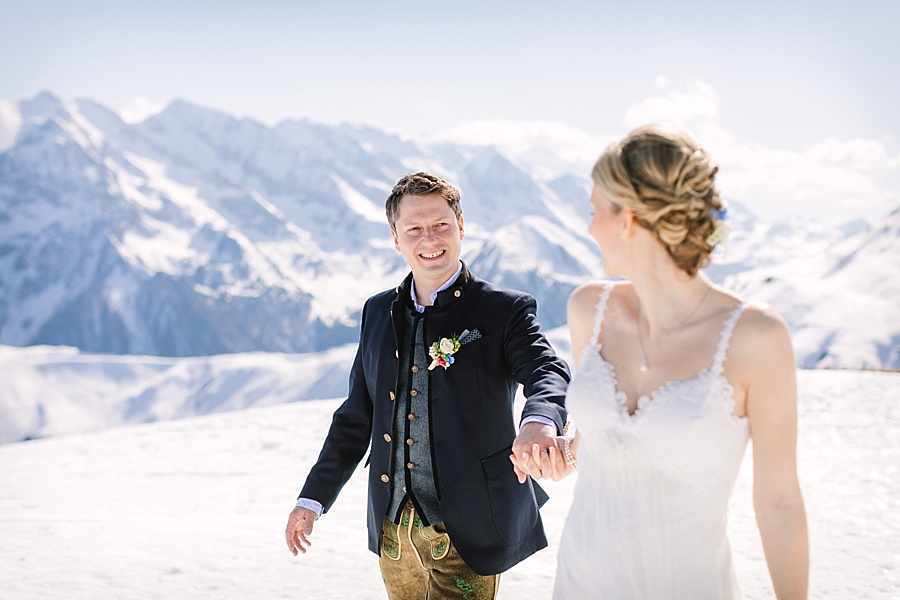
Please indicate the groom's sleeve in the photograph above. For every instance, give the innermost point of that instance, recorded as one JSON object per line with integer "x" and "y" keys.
{"x": 347, "y": 440}
{"x": 533, "y": 362}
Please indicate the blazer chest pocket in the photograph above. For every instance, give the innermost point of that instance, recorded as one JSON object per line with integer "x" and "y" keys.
{"x": 475, "y": 346}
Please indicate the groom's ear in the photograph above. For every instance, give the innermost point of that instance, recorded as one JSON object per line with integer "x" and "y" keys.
{"x": 396, "y": 241}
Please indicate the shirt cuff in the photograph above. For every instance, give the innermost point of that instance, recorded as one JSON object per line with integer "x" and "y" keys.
{"x": 310, "y": 505}
{"x": 538, "y": 418}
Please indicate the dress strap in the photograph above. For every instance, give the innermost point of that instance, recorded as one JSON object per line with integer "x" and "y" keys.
{"x": 600, "y": 310}
{"x": 725, "y": 338}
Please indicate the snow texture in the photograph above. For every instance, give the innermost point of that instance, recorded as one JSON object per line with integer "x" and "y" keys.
{"x": 196, "y": 507}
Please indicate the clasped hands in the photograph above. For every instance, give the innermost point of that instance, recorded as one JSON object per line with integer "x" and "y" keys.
{"x": 537, "y": 451}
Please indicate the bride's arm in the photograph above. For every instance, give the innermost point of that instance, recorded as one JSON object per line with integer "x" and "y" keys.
{"x": 769, "y": 379}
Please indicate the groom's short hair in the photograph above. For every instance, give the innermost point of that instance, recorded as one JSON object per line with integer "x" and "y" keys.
{"x": 421, "y": 184}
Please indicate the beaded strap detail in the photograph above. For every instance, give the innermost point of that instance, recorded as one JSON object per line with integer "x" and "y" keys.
{"x": 601, "y": 309}
{"x": 725, "y": 338}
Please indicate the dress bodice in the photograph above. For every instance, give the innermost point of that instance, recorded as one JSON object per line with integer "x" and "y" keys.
{"x": 673, "y": 428}
{"x": 653, "y": 486}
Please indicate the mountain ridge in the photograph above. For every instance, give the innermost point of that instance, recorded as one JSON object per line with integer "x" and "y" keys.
{"x": 197, "y": 233}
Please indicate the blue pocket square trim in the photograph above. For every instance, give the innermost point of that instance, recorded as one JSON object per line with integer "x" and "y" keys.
{"x": 469, "y": 336}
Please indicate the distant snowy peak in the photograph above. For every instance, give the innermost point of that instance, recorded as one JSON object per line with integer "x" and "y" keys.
{"x": 884, "y": 236}
{"x": 841, "y": 300}
{"x": 535, "y": 253}
{"x": 41, "y": 107}
{"x": 10, "y": 124}
{"x": 546, "y": 149}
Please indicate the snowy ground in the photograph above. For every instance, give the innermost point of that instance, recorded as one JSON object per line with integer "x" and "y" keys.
{"x": 195, "y": 508}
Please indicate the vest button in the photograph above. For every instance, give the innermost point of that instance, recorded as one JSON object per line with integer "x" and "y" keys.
{"x": 415, "y": 368}
{"x": 387, "y": 437}
{"x": 414, "y": 393}
{"x": 392, "y": 396}
{"x": 385, "y": 478}
{"x": 410, "y": 417}
{"x": 409, "y": 442}
{"x": 409, "y": 465}
{"x": 404, "y": 489}
{"x": 457, "y": 293}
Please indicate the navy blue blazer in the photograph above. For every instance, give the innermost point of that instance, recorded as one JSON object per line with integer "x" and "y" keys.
{"x": 492, "y": 519}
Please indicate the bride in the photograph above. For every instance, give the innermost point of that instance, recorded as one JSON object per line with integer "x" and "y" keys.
{"x": 674, "y": 375}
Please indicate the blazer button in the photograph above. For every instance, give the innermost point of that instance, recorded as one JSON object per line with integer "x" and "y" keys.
{"x": 385, "y": 478}
{"x": 414, "y": 393}
{"x": 457, "y": 293}
{"x": 387, "y": 437}
{"x": 409, "y": 465}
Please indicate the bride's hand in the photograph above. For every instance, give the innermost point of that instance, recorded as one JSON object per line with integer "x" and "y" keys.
{"x": 564, "y": 457}
{"x": 552, "y": 463}
{"x": 555, "y": 462}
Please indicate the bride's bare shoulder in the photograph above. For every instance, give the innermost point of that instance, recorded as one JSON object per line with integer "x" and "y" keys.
{"x": 761, "y": 331}
{"x": 760, "y": 319}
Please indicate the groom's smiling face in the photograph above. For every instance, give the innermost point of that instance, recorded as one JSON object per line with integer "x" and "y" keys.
{"x": 429, "y": 238}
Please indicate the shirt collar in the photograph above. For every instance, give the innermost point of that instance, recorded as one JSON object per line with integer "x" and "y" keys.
{"x": 448, "y": 283}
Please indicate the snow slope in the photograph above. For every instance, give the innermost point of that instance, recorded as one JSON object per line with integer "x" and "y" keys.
{"x": 195, "y": 508}
{"x": 48, "y": 390}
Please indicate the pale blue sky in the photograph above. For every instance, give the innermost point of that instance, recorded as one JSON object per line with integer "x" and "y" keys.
{"x": 756, "y": 77}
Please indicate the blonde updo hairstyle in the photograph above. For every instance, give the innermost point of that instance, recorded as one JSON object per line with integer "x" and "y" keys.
{"x": 668, "y": 182}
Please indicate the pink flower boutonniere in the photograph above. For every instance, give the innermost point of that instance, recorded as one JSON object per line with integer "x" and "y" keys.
{"x": 442, "y": 352}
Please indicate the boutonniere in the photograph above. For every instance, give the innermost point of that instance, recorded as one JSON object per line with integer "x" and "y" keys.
{"x": 442, "y": 352}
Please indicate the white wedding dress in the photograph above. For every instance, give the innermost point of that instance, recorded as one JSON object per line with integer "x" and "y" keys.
{"x": 648, "y": 518}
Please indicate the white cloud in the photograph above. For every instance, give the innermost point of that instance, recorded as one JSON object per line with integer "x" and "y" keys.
{"x": 510, "y": 133}
{"x": 832, "y": 181}
{"x": 860, "y": 153}
{"x": 547, "y": 148}
{"x": 697, "y": 102}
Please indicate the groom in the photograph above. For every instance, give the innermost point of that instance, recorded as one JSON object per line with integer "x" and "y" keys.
{"x": 431, "y": 396}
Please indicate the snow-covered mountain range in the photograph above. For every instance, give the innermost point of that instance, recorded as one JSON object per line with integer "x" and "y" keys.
{"x": 196, "y": 233}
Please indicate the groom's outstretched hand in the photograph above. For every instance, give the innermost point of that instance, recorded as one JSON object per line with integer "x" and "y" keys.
{"x": 534, "y": 452}
{"x": 299, "y": 528}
